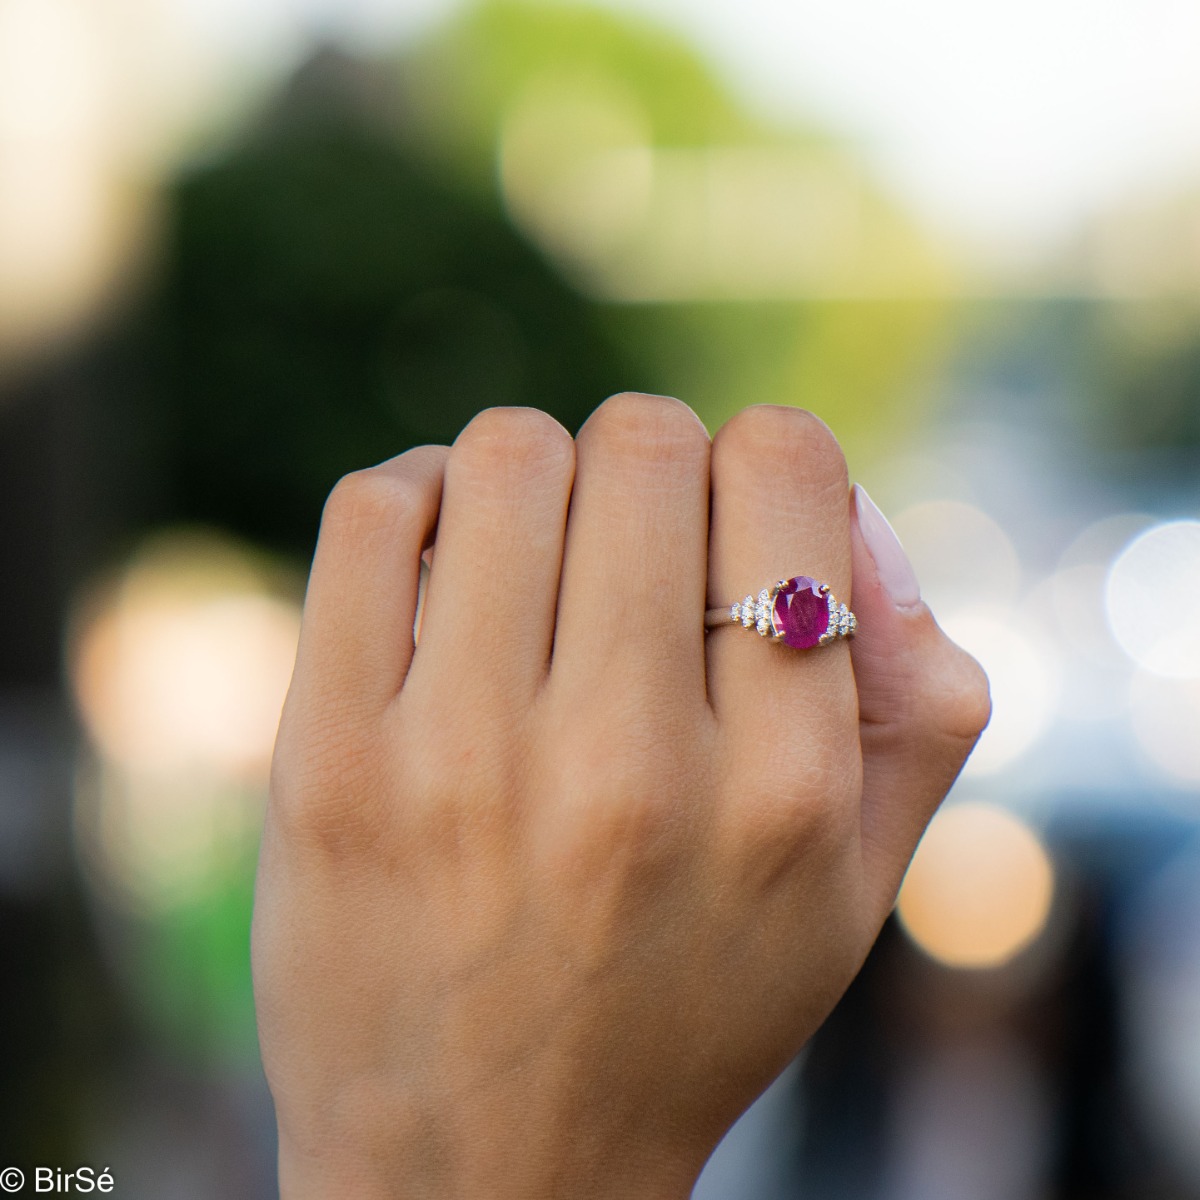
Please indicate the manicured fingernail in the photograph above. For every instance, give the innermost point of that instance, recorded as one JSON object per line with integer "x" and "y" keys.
{"x": 895, "y": 571}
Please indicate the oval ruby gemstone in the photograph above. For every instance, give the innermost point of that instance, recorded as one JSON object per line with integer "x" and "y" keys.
{"x": 801, "y": 612}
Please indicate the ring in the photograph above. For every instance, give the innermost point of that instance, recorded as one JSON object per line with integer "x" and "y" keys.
{"x": 799, "y": 612}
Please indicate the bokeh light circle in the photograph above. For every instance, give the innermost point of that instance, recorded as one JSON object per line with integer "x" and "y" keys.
{"x": 980, "y": 887}
{"x": 180, "y": 663}
{"x": 185, "y": 664}
{"x": 1151, "y": 599}
{"x": 1024, "y": 677}
{"x": 1165, "y": 716}
{"x": 1079, "y": 582}
{"x": 960, "y": 554}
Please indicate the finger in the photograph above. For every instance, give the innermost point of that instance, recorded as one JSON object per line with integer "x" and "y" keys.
{"x": 631, "y": 606}
{"x": 356, "y": 639}
{"x": 488, "y": 619}
{"x": 923, "y": 702}
{"x": 779, "y": 510}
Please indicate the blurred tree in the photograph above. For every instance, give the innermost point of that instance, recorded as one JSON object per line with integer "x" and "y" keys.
{"x": 326, "y": 303}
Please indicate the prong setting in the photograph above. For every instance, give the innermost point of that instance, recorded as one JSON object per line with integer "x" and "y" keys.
{"x": 800, "y": 612}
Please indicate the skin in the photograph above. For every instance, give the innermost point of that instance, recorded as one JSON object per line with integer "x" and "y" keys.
{"x": 544, "y": 904}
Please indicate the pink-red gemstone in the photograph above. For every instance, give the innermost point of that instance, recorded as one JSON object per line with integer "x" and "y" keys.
{"x": 801, "y": 612}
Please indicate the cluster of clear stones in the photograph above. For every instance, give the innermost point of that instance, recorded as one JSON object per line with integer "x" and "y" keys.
{"x": 842, "y": 622}
{"x": 754, "y": 613}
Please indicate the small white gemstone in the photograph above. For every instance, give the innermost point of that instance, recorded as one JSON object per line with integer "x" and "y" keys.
{"x": 764, "y": 595}
{"x": 748, "y": 612}
{"x": 764, "y": 626}
{"x": 735, "y": 612}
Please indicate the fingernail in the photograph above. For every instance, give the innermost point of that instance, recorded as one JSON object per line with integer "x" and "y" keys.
{"x": 895, "y": 571}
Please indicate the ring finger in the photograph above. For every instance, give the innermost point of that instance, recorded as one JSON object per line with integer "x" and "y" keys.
{"x": 779, "y": 510}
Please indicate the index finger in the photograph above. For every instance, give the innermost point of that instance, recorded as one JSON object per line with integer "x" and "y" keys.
{"x": 356, "y": 636}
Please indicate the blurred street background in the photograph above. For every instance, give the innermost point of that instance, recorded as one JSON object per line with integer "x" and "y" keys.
{"x": 247, "y": 248}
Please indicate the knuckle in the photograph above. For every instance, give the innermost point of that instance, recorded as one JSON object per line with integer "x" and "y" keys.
{"x": 632, "y": 750}
{"x": 781, "y": 832}
{"x": 659, "y": 428}
{"x": 794, "y": 805}
{"x": 824, "y": 825}
{"x": 632, "y": 813}
{"x": 788, "y": 440}
{"x": 327, "y": 798}
{"x": 371, "y": 500}
{"x": 947, "y": 697}
{"x": 453, "y": 757}
{"x": 443, "y": 773}
{"x": 932, "y": 699}
{"x": 648, "y": 761}
{"x": 965, "y": 703}
{"x": 501, "y": 440}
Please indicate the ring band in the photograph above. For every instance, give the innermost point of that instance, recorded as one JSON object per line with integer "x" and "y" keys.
{"x": 799, "y": 612}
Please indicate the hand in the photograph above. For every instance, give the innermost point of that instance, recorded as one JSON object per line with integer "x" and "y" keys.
{"x": 545, "y": 904}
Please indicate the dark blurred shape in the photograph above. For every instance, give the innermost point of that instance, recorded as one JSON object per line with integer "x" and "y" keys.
{"x": 30, "y": 522}
{"x": 326, "y": 303}
{"x": 1062, "y": 1019}
{"x": 1152, "y": 377}
{"x": 60, "y": 1016}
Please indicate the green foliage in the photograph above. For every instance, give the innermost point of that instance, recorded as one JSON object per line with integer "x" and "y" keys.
{"x": 192, "y": 977}
{"x": 459, "y": 85}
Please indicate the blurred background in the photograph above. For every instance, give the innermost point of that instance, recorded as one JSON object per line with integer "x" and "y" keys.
{"x": 247, "y": 248}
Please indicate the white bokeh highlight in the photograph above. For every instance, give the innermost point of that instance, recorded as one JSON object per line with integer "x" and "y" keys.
{"x": 1024, "y": 673}
{"x": 961, "y": 555}
{"x": 1153, "y": 600}
{"x": 970, "y": 576}
{"x": 1165, "y": 717}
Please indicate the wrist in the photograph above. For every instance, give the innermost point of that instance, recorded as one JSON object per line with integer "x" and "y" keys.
{"x": 416, "y": 1172}
{"x": 304, "y": 1177}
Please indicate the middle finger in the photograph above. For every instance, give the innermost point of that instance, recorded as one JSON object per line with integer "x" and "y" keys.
{"x": 631, "y": 605}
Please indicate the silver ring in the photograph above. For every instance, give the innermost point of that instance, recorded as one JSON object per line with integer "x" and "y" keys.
{"x": 799, "y": 612}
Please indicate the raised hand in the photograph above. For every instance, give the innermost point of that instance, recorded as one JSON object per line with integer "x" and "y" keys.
{"x": 546, "y": 902}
